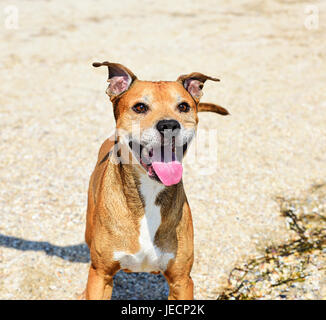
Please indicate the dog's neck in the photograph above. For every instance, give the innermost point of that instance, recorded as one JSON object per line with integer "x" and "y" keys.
{"x": 131, "y": 177}
{"x": 138, "y": 186}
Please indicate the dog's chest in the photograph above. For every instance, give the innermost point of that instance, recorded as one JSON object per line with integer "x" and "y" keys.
{"x": 149, "y": 257}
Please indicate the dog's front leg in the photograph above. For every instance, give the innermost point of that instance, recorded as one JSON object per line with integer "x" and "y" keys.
{"x": 181, "y": 288}
{"x": 178, "y": 271}
{"x": 99, "y": 285}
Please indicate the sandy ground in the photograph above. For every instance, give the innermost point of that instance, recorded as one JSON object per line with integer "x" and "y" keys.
{"x": 54, "y": 115}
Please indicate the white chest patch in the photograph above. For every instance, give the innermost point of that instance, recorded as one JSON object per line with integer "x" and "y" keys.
{"x": 149, "y": 257}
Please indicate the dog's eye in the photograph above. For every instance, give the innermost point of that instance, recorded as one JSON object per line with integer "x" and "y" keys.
{"x": 140, "y": 108}
{"x": 184, "y": 107}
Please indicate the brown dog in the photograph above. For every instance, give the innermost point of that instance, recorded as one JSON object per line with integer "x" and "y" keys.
{"x": 138, "y": 217}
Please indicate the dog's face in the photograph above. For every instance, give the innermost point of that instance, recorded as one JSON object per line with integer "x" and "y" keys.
{"x": 156, "y": 120}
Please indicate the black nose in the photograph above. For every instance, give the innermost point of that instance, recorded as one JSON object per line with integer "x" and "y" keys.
{"x": 167, "y": 125}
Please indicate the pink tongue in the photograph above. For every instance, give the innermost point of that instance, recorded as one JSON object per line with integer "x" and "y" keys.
{"x": 169, "y": 173}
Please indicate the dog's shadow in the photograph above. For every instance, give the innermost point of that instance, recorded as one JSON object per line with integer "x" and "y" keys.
{"x": 129, "y": 286}
{"x": 139, "y": 286}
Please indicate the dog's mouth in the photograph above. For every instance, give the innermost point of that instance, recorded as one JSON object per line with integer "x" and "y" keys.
{"x": 162, "y": 163}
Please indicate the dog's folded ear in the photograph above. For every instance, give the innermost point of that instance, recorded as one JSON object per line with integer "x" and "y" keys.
{"x": 194, "y": 83}
{"x": 211, "y": 107}
{"x": 120, "y": 78}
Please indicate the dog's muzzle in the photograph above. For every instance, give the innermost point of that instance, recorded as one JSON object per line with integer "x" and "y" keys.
{"x": 160, "y": 152}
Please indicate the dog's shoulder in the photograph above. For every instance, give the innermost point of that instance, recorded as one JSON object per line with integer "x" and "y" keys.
{"x": 101, "y": 164}
{"x": 105, "y": 150}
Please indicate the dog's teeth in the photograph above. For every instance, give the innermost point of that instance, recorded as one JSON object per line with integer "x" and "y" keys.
{"x": 145, "y": 152}
{"x": 145, "y": 156}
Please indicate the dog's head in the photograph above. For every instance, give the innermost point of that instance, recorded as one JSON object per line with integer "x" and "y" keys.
{"x": 157, "y": 120}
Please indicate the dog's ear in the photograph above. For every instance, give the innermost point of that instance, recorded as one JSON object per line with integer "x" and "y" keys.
{"x": 194, "y": 83}
{"x": 211, "y": 107}
{"x": 120, "y": 78}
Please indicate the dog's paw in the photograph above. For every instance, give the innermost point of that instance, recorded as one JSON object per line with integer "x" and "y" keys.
{"x": 81, "y": 296}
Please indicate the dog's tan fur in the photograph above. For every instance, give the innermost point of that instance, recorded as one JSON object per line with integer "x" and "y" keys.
{"x": 116, "y": 204}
